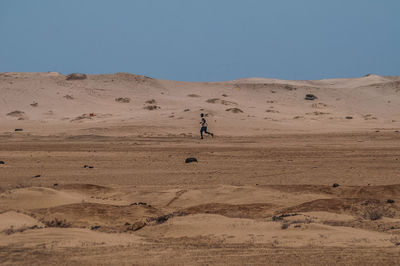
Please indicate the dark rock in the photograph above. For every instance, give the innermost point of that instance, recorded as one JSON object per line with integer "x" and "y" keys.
{"x": 190, "y": 160}
{"x": 76, "y": 76}
{"x": 390, "y": 201}
{"x": 335, "y": 185}
{"x": 36, "y": 176}
{"x": 349, "y": 117}
{"x": 95, "y": 227}
{"x": 2, "y": 162}
{"x": 88, "y": 166}
{"x": 310, "y": 97}
{"x": 136, "y": 226}
{"x": 56, "y": 184}
{"x": 126, "y": 224}
{"x": 18, "y": 130}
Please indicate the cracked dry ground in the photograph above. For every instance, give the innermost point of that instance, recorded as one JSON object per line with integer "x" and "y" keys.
{"x": 253, "y": 200}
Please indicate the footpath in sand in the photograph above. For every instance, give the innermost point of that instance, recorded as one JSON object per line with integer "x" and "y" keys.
{"x": 114, "y": 188}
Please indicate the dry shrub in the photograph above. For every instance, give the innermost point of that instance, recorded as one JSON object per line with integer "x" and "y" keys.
{"x": 152, "y": 101}
{"x": 68, "y": 97}
{"x": 76, "y": 76}
{"x": 234, "y": 110}
{"x": 16, "y": 113}
{"x": 217, "y": 100}
{"x": 57, "y": 223}
{"x": 213, "y": 100}
{"x": 11, "y": 230}
{"x": 123, "y": 100}
{"x": 372, "y": 214}
{"x": 152, "y": 107}
{"x": 285, "y": 226}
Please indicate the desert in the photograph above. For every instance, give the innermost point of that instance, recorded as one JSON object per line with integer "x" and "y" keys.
{"x": 93, "y": 170}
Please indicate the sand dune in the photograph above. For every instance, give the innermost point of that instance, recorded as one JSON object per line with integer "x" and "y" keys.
{"x": 265, "y": 105}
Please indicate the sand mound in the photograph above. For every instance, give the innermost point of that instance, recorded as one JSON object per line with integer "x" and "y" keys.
{"x": 377, "y": 192}
{"x": 102, "y": 217}
{"x": 66, "y": 237}
{"x": 11, "y": 222}
{"x": 235, "y": 230}
{"x": 36, "y": 197}
{"x": 370, "y": 209}
{"x": 85, "y": 188}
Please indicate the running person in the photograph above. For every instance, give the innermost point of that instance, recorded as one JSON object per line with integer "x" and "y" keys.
{"x": 204, "y": 127}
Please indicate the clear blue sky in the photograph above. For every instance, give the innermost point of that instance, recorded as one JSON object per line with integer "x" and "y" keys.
{"x": 202, "y": 40}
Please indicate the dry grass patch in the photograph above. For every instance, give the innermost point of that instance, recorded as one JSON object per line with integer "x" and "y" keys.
{"x": 152, "y": 101}
{"x": 152, "y": 107}
{"x": 123, "y": 100}
{"x": 234, "y": 110}
{"x": 68, "y": 97}
{"x": 76, "y": 76}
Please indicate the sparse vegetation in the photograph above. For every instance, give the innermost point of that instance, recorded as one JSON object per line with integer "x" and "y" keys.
{"x": 285, "y": 226}
{"x": 234, "y": 110}
{"x": 12, "y": 230}
{"x": 76, "y": 76}
{"x": 372, "y": 213}
{"x": 217, "y": 100}
{"x": 152, "y": 107}
{"x": 152, "y": 101}
{"x": 280, "y": 217}
{"x": 123, "y": 100}
{"x": 213, "y": 100}
{"x": 68, "y": 97}
{"x": 16, "y": 113}
{"x": 57, "y": 223}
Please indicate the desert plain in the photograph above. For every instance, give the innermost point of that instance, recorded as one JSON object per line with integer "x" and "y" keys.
{"x": 93, "y": 171}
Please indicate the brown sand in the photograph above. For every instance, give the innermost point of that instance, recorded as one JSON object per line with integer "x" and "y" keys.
{"x": 261, "y": 193}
